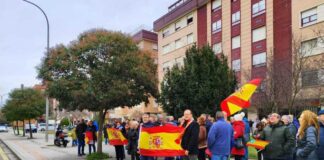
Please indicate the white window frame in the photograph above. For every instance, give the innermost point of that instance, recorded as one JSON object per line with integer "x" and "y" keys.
{"x": 236, "y": 65}
{"x": 309, "y": 17}
{"x": 259, "y": 59}
{"x": 166, "y": 49}
{"x": 217, "y": 26}
{"x": 258, "y": 8}
{"x": 236, "y": 18}
{"x": 190, "y": 39}
{"x": 178, "y": 43}
{"x": 259, "y": 34}
{"x": 235, "y": 40}
{"x": 217, "y": 48}
{"x": 216, "y": 5}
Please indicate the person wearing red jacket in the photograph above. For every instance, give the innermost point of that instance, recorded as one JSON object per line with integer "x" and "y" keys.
{"x": 238, "y": 127}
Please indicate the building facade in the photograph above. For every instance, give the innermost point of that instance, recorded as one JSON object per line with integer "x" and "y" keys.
{"x": 255, "y": 35}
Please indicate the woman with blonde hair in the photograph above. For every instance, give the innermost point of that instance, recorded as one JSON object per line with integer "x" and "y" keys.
{"x": 307, "y": 136}
{"x": 202, "y": 139}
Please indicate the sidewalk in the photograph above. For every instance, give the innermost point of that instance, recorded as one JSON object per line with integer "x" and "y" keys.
{"x": 38, "y": 149}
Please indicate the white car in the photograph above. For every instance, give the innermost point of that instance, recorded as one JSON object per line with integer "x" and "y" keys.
{"x": 42, "y": 127}
{"x": 3, "y": 128}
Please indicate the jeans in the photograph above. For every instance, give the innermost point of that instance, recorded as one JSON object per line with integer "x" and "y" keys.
{"x": 202, "y": 154}
{"x": 246, "y": 154}
{"x": 74, "y": 142}
{"x": 92, "y": 146}
{"x": 106, "y": 141}
{"x": 146, "y": 158}
{"x": 81, "y": 144}
{"x": 120, "y": 152}
{"x": 190, "y": 157}
{"x": 219, "y": 157}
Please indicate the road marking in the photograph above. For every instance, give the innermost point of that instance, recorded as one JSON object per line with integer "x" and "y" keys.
{"x": 3, "y": 155}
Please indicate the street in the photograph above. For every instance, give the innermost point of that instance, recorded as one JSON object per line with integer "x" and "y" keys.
{"x": 38, "y": 149}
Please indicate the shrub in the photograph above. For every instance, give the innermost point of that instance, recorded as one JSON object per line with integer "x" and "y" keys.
{"x": 97, "y": 156}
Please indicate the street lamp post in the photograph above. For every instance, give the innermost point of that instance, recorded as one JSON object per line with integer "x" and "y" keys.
{"x": 47, "y": 51}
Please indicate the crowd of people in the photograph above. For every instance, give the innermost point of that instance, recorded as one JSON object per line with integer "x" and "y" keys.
{"x": 223, "y": 137}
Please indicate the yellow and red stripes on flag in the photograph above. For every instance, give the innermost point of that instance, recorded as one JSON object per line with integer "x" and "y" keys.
{"x": 258, "y": 144}
{"x": 116, "y": 137}
{"x": 160, "y": 141}
{"x": 88, "y": 137}
{"x": 240, "y": 99}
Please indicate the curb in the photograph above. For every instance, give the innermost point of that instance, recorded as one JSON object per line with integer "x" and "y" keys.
{"x": 11, "y": 150}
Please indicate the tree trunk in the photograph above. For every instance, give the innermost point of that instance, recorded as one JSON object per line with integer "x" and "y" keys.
{"x": 100, "y": 123}
{"x": 30, "y": 130}
{"x": 24, "y": 130}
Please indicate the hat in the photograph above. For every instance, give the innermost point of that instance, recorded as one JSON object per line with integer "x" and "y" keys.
{"x": 321, "y": 112}
{"x": 239, "y": 117}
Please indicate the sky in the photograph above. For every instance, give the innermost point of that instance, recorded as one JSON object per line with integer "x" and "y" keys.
{"x": 23, "y": 30}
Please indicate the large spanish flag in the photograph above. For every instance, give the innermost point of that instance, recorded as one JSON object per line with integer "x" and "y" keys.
{"x": 116, "y": 137}
{"x": 240, "y": 99}
{"x": 160, "y": 141}
{"x": 258, "y": 144}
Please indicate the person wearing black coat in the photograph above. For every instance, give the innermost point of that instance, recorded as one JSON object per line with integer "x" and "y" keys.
{"x": 132, "y": 136}
{"x": 105, "y": 132}
{"x": 189, "y": 141}
{"x": 80, "y": 132}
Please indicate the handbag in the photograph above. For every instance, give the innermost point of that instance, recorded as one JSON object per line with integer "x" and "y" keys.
{"x": 238, "y": 143}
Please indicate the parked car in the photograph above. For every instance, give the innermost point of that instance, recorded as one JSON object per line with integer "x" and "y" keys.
{"x": 3, "y": 128}
{"x": 42, "y": 127}
{"x": 33, "y": 128}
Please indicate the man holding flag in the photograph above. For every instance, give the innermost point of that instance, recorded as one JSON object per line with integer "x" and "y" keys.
{"x": 189, "y": 141}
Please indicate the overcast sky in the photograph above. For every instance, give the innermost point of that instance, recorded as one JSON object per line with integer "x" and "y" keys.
{"x": 23, "y": 29}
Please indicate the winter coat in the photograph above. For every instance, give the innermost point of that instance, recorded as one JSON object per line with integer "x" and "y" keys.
{"x": 132, "y": 136}
{"x": 320, "y": 149}
{"x": 202, "y": 137}
{"x": 239, "y": 128}
{"x": 293, "y": 129}
{"x": 80, "y": 129}
{"x": 148, "y": 125}
{"x": 190, "y": 137}
{"x": 306, "y": 147}
{"x": 281, "y": 141}
{"x": 220, "y": 138}
{"x": 256, "y": 133}
{"x": 208, "y": 125}
{"x": 105, "y": 132}
{"x": 73, "y": 134}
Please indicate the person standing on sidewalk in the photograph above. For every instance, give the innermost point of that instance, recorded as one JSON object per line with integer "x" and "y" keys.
{"x": 220, "y": 138}
{"x": 146, "y": 124}
{"x": 320, "y": 149}
{"x": 92, "y": 129}
{"x": 189, "y": 141}
{"x": 105, "y": 133}
{"x": 80, "y": 132}
{"x": 202, "y": 138}
{"x": 239, "y": 129}
{"x": 281, "y": 141}
{"x": 119, "y": 149}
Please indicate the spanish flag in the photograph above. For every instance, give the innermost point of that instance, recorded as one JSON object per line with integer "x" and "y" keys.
{"x": 88, "y": 137}
{"x": 160, "y": 141}
{"x": 258, "y": 144}
{"x": 240, "y": 99}
{"x": 116, "y": 137}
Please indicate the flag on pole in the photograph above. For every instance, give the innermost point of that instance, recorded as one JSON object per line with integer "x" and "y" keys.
{"x": 240, "y": 99}
{"x": 160, "y": 141}
{"x": 116, "y": 137}
{"x": 258, "y": 144}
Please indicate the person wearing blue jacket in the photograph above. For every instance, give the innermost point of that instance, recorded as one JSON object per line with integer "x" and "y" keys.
{"x": 320, "y": 149}
{"x": 220, "y": 138}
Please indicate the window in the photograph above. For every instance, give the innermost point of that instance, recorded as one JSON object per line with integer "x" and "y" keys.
{"x": 217, "y": 26}
{"x": 236, "y": 65}
{"x": 236, "y": 17}
{"x": 180, "y": 24}
{"x": 166, "y": 48}
{"x": 312, "y": 47}
{"x": 166, "y": 66}
{"x": 217, "y": 48}
{"x": 309, "y": 17}
{"x": 216, "y": 4}
{"x": 179, "y": 61}
{"x": 178, "y": 43}
{"x": 312, "y": 78}
{"x": 259, "y": 59}
{"x": 258, "y": 8}
{"x": 259, "y": 34}
{"x": 190, "y": 38}
{"x": 236, "y": 42}
{"x": 165, "y": 33}
{"x": 154, "y": 46}
{"x": 189, "y": 19}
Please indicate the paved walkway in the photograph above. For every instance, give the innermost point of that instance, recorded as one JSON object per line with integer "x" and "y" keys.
{"x": 38, "y": 149}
